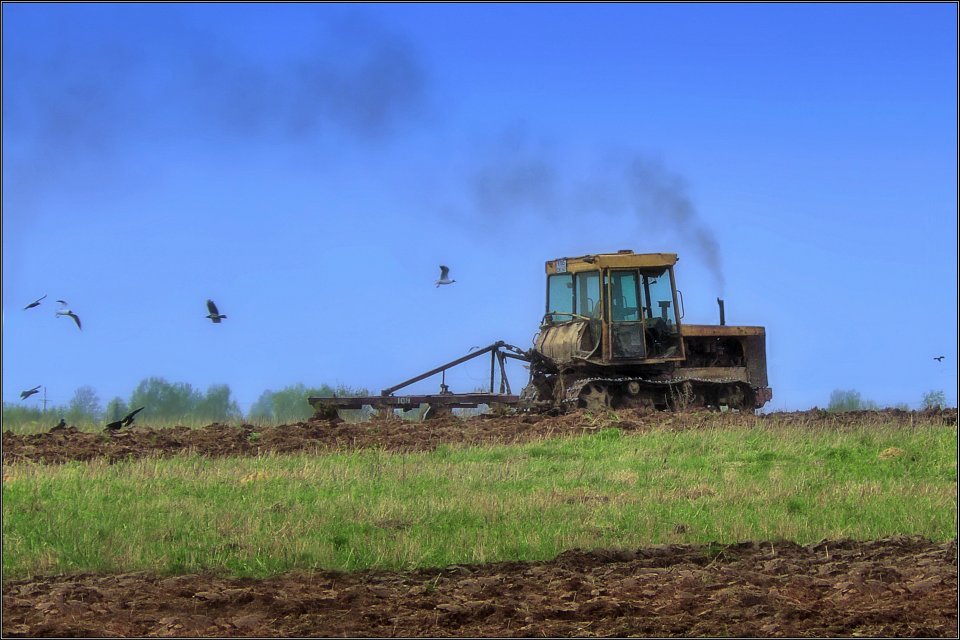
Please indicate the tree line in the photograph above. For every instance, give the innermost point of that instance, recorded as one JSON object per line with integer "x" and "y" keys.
{"x": 851, "y": 400}
{"x": 165, "y": 401}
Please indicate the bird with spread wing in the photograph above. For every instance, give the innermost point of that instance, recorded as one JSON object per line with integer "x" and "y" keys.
{"x": 214, "y": 315}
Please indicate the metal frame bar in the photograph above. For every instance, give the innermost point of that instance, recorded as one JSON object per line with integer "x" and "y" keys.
{"x": 496, "y": 346}
{"x": 498, "y": 352}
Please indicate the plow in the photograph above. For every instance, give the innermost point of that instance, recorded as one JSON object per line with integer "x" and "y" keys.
{"x": 433, "y": 405}
{"x": 612, "y": 336}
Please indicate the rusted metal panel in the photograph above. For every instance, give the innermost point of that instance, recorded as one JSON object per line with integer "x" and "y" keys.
{"x": 764, "y": 395}
{"x": 719, "y": 374}
{"x": 563, "y": 342}
{"x": 716, "y": 331}
{"x": 610, "y": 260}
{"x": 755, "y": 351}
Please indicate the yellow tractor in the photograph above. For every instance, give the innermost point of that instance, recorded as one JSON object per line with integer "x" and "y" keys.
{"x": 612, "y": 337}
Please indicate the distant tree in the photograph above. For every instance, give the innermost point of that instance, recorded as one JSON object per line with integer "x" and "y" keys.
{"x": 84, "y": 406}
{"x": 115, "y": 410}
{"x": 164, "y": 400}
{"x": 290, "y": 403}
{"x": 262, "y": 409}
{"x": 844, "y": 400}
{"x": 18, "y": 417}
{"x": 849, "y": 400}
{"x": 934, "y": 400}
{"x": 216, "y": 405}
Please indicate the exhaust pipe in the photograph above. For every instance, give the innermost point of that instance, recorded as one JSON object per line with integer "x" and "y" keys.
{"x": 723, "y": 319}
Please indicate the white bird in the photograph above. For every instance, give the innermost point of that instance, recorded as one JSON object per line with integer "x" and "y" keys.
{"x": 67, "y": 312}
{"x": 444, "y": 276}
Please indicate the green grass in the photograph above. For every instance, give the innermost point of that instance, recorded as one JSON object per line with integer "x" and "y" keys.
{"x": 372, "y": 509}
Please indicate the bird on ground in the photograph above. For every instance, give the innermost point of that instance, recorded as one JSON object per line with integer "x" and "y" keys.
{"x": 35, "y": 303}
{"x": 65, "y": 311}
{"x": 29, "y": 392}
{"x": 214, "y": 314}
{"x": 125, "y": 421}
{"x": 61, "y": 424}
{"x": 938, "y": 358}
{"x": 444, "y": 276}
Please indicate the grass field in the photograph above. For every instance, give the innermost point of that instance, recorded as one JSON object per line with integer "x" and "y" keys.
{"x": 373, "y": 509}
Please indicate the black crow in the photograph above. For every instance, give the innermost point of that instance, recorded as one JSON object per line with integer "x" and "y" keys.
{"x": 128, "y": 419}
{"x": 35, "y": 303}
{"x": 214, "y": 315}
{"x": 125, "y": 421}
{"x": 29, "y": 392}
{"x": 938, "y": 358}
{"x": 61, "y": 424}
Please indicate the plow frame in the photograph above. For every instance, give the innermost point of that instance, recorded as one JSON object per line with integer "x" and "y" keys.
{"x": 499, "y": 351}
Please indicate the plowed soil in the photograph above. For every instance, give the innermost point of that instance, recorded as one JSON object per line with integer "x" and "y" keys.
{"x": 905, "y": 586}
{"x": 216, "y": 440}
{"x": 894, "y": 587}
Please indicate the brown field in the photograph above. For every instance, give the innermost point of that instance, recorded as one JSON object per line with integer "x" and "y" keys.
{"x": 904, "y": 586}
{"x": 218, "y": 440}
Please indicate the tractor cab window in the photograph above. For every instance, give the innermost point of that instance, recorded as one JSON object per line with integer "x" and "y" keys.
{"x": 624, "y": 296}
{"x": 588, "y": 294}
{"x": 642, "y": 314}
{"x": 560, "y": 296}
{"x": 658, "y": 297}
{"x": 660, "y": 314}
{"x": 568, "y": 295}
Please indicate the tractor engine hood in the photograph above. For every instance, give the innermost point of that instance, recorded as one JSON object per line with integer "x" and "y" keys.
{"x": 563, "y": 343}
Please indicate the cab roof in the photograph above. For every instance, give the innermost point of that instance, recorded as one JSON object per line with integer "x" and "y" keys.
{"x": 623, "y": 259}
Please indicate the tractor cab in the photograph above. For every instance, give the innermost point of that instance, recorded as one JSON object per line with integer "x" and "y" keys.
{"x": 610, "y": 309}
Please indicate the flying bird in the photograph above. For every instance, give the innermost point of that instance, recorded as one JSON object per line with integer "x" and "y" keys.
{"x": 938, "y": 358}
{"x": 125, "y": 421}
{"x": 29, "y": 392}
{"x": 214, "y": 315}
{"x": 35, "y": 303}
{"x": 444, "y": 276}
{"x": 65, "y": 311}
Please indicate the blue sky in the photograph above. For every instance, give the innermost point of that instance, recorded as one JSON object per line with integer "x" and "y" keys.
{"x": 309, "y": 166}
